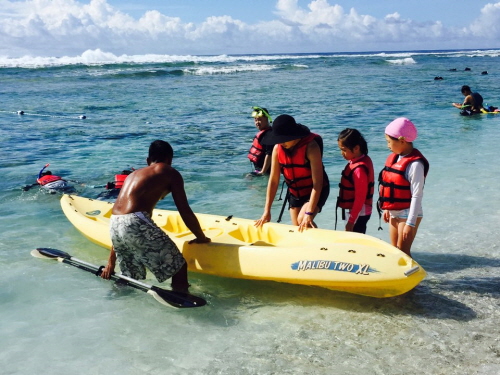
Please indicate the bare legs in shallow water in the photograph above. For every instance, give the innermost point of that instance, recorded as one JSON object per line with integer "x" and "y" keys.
{"x": 402, "y": 235}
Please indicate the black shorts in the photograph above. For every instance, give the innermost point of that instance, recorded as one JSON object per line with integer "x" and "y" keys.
{"x": 293, "y": 201}
{"x": 360, "y": 225}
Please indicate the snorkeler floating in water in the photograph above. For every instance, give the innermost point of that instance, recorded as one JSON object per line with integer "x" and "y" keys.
{"x": 113, "y": 188}
{"x": 50, "y": 183}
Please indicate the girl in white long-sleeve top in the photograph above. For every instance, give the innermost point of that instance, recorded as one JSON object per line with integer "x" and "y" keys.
{"x": 401, "y": 184}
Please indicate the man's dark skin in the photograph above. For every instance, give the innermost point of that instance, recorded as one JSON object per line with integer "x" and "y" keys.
{"x": 141, "y": 191}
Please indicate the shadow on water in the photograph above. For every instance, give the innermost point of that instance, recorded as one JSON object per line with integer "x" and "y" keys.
{"x": 444, "y": 263}
{"x": 228, "y": 296}
{"x": 230, "y": 300}
{"x": 480, "y": 285}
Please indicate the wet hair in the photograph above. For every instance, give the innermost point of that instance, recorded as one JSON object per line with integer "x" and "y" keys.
{"x": 160, "y": 151}
{"x": 351, "y": 138}
{"x": 465, "y": 89}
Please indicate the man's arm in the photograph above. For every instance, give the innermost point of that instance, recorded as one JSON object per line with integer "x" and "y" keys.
{"x": 27, "y": 187}
{"x": 468, "y": 102}
{"x": 266, "y": 165}
{"x": 187, "y": 214}
{"x": 110, "y": 267}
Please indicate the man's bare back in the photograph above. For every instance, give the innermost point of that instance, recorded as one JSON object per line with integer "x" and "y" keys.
{"x": 145, "y": 187}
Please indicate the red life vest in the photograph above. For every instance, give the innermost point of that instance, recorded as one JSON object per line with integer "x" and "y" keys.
{"x": 296, "y": 168}
{"x": 394, "y": 188}
{"x": 44, "y": 180}
{"x": 119, "y": 180}
{"x": 256, "y": 151}
{"x": 346, "y": 187}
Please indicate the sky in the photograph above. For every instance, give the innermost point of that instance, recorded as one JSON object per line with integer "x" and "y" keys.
{"x": 54, "y": 28}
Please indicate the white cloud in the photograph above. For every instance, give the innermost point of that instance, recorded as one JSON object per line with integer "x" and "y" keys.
{"x": 70, "y": 27}
{"x": 487, "y": 25}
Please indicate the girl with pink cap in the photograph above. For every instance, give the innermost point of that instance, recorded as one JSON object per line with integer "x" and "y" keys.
{"x": 401, "y": 184}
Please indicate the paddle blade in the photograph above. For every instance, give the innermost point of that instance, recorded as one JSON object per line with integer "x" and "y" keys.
{"x": 35, "y": 253}
{"x": 176, "y": 299}
{"x": 48, "y": 252}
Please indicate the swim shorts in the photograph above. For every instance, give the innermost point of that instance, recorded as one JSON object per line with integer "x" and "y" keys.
{"x": 56, "y": 185}
{"x": 140, "y": 243}
{"x": 403, "y": 214}
{"x": 293, "y": 201}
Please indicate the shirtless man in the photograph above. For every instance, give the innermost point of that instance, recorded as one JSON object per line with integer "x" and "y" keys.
{"x": 137, "y": 241}
{"x": 473, "y": 101}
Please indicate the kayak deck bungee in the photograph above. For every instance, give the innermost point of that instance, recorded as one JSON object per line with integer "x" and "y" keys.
{"x": 339, "y": 260}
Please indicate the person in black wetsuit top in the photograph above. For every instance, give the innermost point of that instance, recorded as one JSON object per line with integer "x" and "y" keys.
{"x": 473, "y": 102}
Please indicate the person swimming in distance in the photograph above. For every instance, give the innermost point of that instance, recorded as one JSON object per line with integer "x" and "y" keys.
{"x": 472, "y": 104}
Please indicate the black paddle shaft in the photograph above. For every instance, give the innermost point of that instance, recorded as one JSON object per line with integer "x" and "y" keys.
{"x": 171, "y": 297}
{"x": 98, "y": 270}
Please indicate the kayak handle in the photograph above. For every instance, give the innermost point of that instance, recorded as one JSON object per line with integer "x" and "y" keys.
{"x": 411, "y": 271}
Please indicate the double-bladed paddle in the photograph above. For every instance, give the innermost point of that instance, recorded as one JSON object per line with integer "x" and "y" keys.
{"x": 170, "y": 298}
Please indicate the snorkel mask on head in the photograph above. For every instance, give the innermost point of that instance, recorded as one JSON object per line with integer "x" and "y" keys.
{"x": 261, "y": 112}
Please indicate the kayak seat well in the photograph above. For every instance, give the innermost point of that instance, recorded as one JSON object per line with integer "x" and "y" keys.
{"x": 252, "y": 235}
{"x": 171, "y": 223}
{"x": 174, "y": 225}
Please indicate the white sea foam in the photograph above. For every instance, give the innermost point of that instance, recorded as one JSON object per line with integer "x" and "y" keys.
{"x": 100, "y": 57}
{"x": 405, "y": 61}
{"x": 228, "y": 69}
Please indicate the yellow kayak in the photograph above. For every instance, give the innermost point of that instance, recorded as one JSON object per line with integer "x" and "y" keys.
{"x": 344, "y": 261}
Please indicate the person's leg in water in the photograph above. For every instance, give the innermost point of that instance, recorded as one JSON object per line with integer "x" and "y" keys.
{"x": 180, "y": 280}
{"x": 396, "y": 229}
{"x": 298, "y": 209}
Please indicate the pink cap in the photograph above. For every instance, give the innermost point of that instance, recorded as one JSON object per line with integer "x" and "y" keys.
{"x": 402, "y": 128}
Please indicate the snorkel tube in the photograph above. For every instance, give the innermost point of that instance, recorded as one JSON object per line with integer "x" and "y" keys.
{"x": 41, "y": 170}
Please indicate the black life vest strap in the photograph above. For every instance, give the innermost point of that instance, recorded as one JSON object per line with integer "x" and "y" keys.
{"x": 287, "y": 195}
{"x": 336, "y": 212}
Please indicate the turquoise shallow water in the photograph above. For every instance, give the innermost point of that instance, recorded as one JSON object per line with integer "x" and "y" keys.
{"x": 65, "y": 321}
